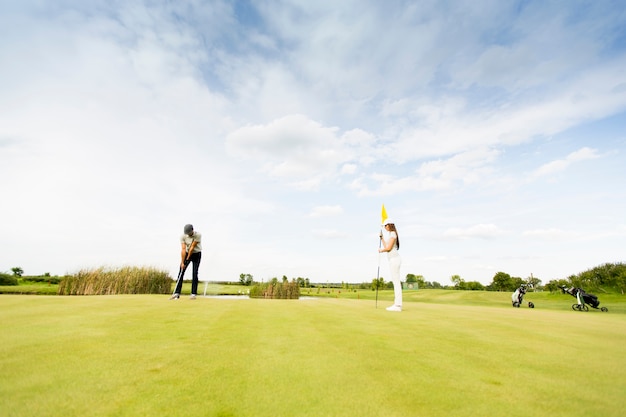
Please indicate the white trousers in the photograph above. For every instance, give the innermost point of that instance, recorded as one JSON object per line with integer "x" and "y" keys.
{"x": 394, "y": 268}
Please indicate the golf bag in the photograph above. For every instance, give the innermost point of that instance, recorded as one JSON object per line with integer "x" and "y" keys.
{"x": 518, "y": 296}
{"x": 583, "y": 299}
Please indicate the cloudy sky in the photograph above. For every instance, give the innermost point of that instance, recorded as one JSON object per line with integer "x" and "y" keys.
{"x": 494, "y": 132}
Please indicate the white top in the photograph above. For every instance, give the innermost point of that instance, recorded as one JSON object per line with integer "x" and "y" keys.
{"x": 187, "y": 240}
{"x": 394, "y": 250}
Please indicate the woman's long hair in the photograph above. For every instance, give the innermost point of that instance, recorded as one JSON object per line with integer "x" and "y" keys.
{"x": 392, "y": 228}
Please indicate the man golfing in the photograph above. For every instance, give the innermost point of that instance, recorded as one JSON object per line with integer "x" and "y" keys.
{"x": 191, "y": 251}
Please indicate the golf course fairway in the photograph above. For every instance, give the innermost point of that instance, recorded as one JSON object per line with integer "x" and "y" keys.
{"x": 142, "y": 355}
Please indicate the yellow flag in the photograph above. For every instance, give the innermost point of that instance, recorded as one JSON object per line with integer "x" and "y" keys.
{"x": 383, "y": 215}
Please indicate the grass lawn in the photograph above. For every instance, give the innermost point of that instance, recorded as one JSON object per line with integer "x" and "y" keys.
{"x": 450, "y": 353}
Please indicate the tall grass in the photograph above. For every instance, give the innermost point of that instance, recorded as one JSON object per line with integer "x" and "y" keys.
{"x": 276, "y": 290}
{"x": 125, "y": 280}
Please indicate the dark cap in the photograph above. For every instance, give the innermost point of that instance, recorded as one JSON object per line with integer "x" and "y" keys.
{"x": 188, "y": 229}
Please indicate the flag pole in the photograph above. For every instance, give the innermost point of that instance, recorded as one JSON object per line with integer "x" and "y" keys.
{"x": 383, "y": 215}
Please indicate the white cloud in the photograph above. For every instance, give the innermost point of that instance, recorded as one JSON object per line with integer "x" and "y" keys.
{"x": 561, "y": 165}
{"x": 325, "y": 211}
{"x": 144, "y": 117}
{"x": 348, "y": 169}
{"x": 479, "y": 231}
{"x": 549, "y": 234}
{"x": 290, "y": 147}
{"x": 439, "y": 258}
{"x": 328, "y": 234}
{"x": 439, "y": 174}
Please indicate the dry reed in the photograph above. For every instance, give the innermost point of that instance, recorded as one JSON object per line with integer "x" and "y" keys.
{"x": 124, "y": 280}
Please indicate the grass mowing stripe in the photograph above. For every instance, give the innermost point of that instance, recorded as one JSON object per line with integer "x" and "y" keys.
{"x": 144, "y": 355}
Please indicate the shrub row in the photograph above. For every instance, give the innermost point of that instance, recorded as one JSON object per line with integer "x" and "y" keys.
{"x": 126, "y": 280}
{"x": 276, "y": 290}
{"x": 42, "y": 279}
{"x": 6, "y": 279}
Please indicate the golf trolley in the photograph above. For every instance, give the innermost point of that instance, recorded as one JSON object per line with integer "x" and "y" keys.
{"x": 518, "y": 297}
{"x": 583, "y": 299}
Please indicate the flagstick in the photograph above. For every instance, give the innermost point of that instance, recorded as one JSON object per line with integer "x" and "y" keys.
{"x": 383, "y": 215}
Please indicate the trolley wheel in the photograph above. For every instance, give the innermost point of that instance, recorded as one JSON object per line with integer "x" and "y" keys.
{"x": 576, "y": 307}
{"x": 604, "y": 309}
{"x": 531, "y": 304}
{"x": 584, "y": 307}
{"x": 515, "y": 304}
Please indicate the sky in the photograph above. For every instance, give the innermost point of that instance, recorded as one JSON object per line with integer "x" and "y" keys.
{"x": 493, "y": 131}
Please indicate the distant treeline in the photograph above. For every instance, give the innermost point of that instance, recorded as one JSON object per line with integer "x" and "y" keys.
{"x": 604, "y": 277}
{"x": 608, "y": 277}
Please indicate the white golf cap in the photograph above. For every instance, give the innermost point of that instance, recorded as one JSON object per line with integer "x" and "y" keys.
{"x": 387, "y": 221}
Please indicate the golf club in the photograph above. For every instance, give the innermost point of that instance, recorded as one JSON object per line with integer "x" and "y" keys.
{"x": 181, "y": 273}
{"x": 182, "y": 270}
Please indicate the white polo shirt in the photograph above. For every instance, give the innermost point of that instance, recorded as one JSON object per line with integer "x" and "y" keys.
{"x": 187, "y": 240}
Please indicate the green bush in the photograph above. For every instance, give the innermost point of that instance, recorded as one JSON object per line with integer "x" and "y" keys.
{"x": 276, "y": 290}
{"x": 6, "y": 279}
{"x": 126, "y": 280}
{"x": 43, "y": 279}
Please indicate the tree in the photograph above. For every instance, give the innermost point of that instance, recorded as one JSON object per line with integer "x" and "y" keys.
{"x": 474, "y": 286}
{"x": 607, "y": 275}
{"x": 516, "y": 282}
{"x": 17, "y": 271}
{"x": 503, "y": 282}
{"x": 533, "y": 282}
{"x": 555, "y": 285}
{"x": 421, "y": 282}
{"x": 378, "y": 283}
{"x": 246, "y": 279}
{"x": 434, "y": 284}
{"x": 458, "y": 282}
{"x": 6, "y": 279}
{"x": 601, "y": 276}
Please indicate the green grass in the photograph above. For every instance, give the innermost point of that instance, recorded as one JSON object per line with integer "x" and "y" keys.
{"x": 142, "y": 355}
{"x": 41, "y": 288}
{"x": 616, "y": 303}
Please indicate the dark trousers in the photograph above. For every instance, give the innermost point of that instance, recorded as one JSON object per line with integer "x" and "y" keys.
{"x": 194, "y": 259}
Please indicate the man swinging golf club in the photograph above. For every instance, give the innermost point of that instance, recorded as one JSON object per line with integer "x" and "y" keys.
{"x": 191, "y": 251}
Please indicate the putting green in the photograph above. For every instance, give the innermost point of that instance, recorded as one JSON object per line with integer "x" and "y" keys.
{"x": 142, "y": 355}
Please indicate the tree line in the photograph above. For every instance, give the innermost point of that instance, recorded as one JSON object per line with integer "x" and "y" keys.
{"x": 602, "y": 277}
{"x": 606, "y": 276}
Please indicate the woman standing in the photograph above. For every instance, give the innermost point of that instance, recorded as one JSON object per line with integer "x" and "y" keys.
{"x": 391, "y": 246}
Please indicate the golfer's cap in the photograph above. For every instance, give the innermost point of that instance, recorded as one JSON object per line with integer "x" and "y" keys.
{"x": 188, "y": 229}
{"x": 387, "y": 221}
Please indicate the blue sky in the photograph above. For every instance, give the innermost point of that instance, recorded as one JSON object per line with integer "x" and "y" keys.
{"x": 493, "y": 131}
